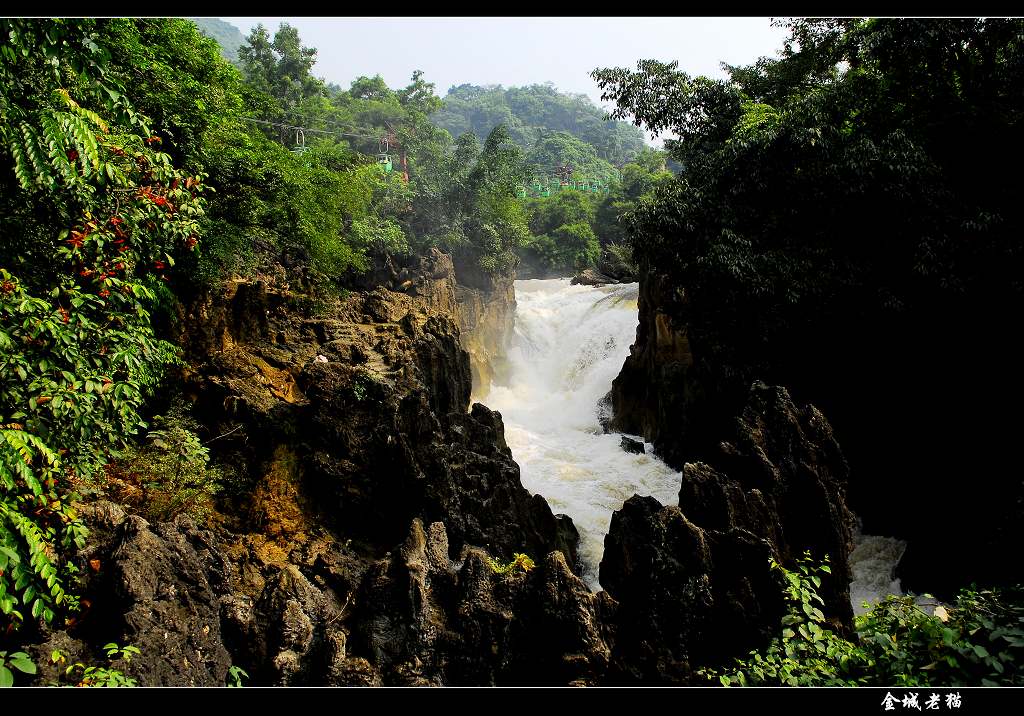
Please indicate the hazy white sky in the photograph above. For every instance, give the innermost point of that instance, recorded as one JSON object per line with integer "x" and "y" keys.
{"x": 521, "y": 51}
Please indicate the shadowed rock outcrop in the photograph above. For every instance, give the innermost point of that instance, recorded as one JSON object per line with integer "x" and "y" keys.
{"x": 693, "y": 580}
{"x": 424, "y": 619}
{"x": 687, "y": 596}
{"x": 374, "y": 417}
{"x": 355, "y": 545}
{"x": 325, "y": 614}
{"x": 782, "y": 477}
{"x": 154, "y": 587}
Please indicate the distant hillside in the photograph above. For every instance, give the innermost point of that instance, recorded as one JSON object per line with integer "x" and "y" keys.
{"x": 227, "y": 35}
{"x": 534, "y": 112}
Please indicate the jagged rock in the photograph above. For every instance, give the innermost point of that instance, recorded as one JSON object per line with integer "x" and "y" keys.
{"x": 379, "y": 432}
{"x": 687, "y": 596}
{"x": 289, "y": 629}
{"x": 592, "y": 277}
{"x": 630, "y": 445}
{"x": 50, "y": 673}
{"x": 783, "y": 477}
{"x": 692, "y": 581}
{"x": 154, "y": 587}
{"x": 423, "y": 619}
{"x": 163, "y": 577}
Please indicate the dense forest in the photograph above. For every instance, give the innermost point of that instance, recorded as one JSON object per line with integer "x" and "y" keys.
{"x": 227, "y": 36}
{"x": 847, "y": 226}
{"x": 535, "y": 114}
{"x": 143, "y": 169}
{"x": 238, "y": 305}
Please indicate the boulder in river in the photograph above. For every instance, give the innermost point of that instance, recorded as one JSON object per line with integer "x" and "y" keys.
{"x": 592, "y": 277}
{"x": 634, "y": 446}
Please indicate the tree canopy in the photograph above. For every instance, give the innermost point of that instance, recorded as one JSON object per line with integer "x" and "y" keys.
{"x": 844, "y": 210}
{"x": 535, "y": 112}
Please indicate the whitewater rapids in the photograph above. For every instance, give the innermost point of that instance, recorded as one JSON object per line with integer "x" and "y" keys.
{"x": 568, "y": 346}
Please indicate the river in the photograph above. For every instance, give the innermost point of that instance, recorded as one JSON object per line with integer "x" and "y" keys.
{"x": 569, "y": 344}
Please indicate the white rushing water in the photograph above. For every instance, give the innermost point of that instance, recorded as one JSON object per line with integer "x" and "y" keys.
{"x": 569, "y": 344}
{"x": 873, "y": 563}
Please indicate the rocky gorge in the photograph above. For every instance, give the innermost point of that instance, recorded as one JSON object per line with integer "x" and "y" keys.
{"x": 359, "y": 549}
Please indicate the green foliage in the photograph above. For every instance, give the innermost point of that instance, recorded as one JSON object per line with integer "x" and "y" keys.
{"x": 556, "y": 149}
{"x": 978, "y": 640}
{"x": 470, "y": 206}
{"x": 98, "y": 676}
{"x": 79, "y": 354}
{"x": 280, "y": 67}
{"x": 558, "y": 241}
{"x": 531, "y": 112}
{"x": 808, "y": 652}
{"x": 235, "y": 676}
{"x": 170, "y": 474}
{"x": 620, "y": 258}
{"x": 17, "y": 660}
{"x": 381, "y": 235}
{"x": 855, "y": 184}
{"x": 228, "y": 37}
{"x": 520, "y": 561}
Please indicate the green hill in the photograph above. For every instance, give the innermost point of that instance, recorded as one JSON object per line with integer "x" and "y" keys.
{"x": 532, "y": 114}
{"x": 227, "y": 35}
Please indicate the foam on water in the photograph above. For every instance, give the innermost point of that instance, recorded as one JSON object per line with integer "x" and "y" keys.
{"x": 568, "y": 347}
{"x": 569, "y": 344}
{"x": 873, "y": 562}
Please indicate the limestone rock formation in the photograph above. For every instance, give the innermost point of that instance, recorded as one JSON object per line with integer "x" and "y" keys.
{"x": 693, "y": 581}
{"x": 687, "y": 596}
{"x": 378, "y": 431}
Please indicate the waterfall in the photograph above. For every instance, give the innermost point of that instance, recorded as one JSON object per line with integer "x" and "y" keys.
{"x": 873, "y": 563}
{"x": 568, "y": 346}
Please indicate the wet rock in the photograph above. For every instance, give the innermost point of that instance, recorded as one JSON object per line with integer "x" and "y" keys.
{"x": 424, "y": 619}
{"x": 604, "y": 412}
{"x": 592, "y": 277}
{"x": 686, "y": 596}
{"x": 659, "y": 393}
{"x": 693, "y": 581}
{"x": 630, "y": 445}
{"x": 613, "y": 266}
{"x": 784, "y": 478}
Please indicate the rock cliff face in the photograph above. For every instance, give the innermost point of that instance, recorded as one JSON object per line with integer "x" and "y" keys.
{"x": 483, "y": 305}
{"x": 350, "y": 431}
{"x": 657, "y": 393}
{"x": 355, "y": 546}
{"x": 195, "y": 602}
{"x": 909, "y": 431}
{"x": 692, "y": 580}
{"x": 486, "y": 319}
{"x": 363, "y": 410}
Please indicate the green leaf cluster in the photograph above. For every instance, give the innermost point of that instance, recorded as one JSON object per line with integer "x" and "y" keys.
{"x": 170, "y": 474}
{"x": 977, "y": 640}
{"x": 14, "y": 660}
{"x": 98, "y": 676}
{"x": 78, "y": 354}
{"x": 519, "y": 561}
